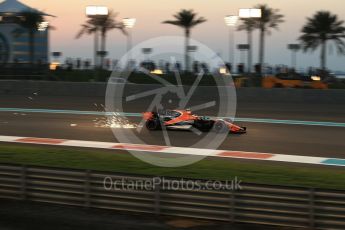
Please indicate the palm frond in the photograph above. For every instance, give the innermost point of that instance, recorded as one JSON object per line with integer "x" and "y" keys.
{"x": 186, "y": 19}
{"x": 176, "y": 23}
{"x": 248, "y": 24}
{"x": 340, "y": 45}
{"x": 86, "y": 29}
{"x": 198, "y": 21}
{"x": 320, "y": 28}
{"x": 270, "y": 18}
{"x": 103, "y": 24}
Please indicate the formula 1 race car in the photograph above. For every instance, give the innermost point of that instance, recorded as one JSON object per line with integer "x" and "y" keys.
{"x": 186, "y": 120}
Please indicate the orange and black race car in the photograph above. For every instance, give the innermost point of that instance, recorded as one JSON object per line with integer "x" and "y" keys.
{"x": 186, "y": 120}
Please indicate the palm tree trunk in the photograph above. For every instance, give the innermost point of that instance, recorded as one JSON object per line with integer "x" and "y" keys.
{"x": 103, "y": 44}
{"x": 186, "y": 56}
{"x": 96, "y": 50}
{"x": 323, "y": 55}
{"x": 32, "y": 46}
{"x": 129, "y": 46}
{"x": 250, "y": 51}
{"x": 262, "y": 49}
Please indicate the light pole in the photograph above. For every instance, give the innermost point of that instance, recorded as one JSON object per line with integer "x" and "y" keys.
{"x": 231, "y": 21}
{"x": 96, "y": 12}
{"x": 243, "y": 48}
{"x": 250, "y": 14}
{"x": 129, "y": 24}
{"x": 294, "y": 48}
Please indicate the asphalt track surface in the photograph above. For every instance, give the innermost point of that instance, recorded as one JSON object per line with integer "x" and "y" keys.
{"x": 261, "y": 137}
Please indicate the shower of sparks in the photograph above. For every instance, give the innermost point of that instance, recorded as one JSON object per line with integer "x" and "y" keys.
{"x": 114, "y": 121}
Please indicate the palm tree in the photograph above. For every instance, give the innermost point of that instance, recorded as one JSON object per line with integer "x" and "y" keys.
{"x": 321, "y": 28}
{"x": 186, "y": 19}
{"x": 248, "y": 24}
{"x": 104, "y": 25}
{"x": 270, "y": 19}
{"x": 30, "y": 21}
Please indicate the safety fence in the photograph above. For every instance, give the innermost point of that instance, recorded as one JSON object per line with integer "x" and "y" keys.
{"x": 253, "y": 203}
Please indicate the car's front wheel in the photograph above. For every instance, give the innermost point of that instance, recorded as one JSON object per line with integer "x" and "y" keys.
{"x": 220, "y": 127}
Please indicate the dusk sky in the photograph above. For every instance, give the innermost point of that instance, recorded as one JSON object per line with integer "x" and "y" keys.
{"x": 214, "y": 33}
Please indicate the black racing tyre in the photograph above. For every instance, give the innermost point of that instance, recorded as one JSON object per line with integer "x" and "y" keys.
{"x": 153, "y": 124}
{"x": 220, "y": 127}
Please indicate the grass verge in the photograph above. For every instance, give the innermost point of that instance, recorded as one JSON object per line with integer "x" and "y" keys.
{"x": 210, "y": 168}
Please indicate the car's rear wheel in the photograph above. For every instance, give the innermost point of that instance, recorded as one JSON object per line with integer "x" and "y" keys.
{"x": 220, "y": 127}
{"x": 153, "y": 124}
